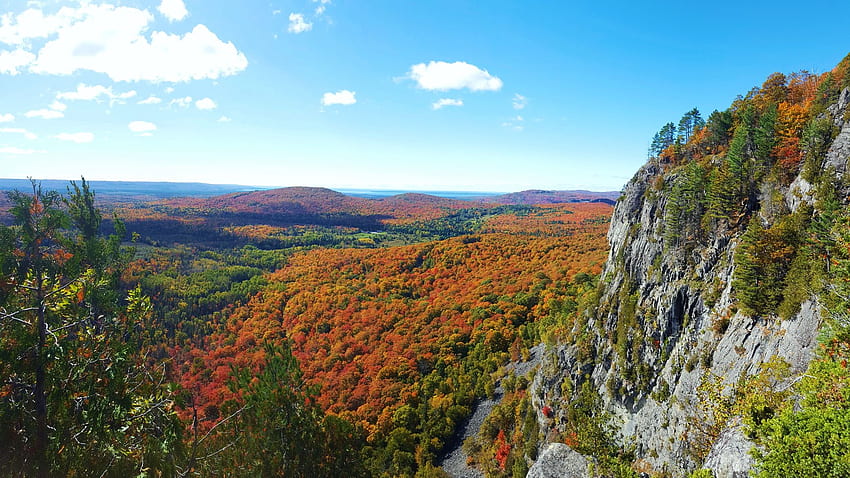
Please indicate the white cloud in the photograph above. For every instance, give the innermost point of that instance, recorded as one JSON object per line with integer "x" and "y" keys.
{"x": 27, "y": 134}
{"x": 519, "y": 101}
{"x": 297, "y": 24}
{"x": 12, "y": 61}
{"x": 181, "y": 102}
{"x": 7, "y": 118}
{"x": 224, "y": 119}
{"x": 44, "y": 114}
{"x": 173, "y": 10}
{"x": 515, "y": 123}
{"x": 86, "y": 93}
{"x": 446, "y": 102}
{"x": 95, "y": 92}
{"x": 151, "y": 100}
{"x": 442, "y": 76}
{"x": 342, "y": 97}
{"x": 322, "y": 6}
{"x": 115, "y": 41}
{"x": 206, "y": 104}
{"x": 76, "y": 137}
{"x": 57, "y": 106}
{"x": 14, "y": 150}
{"x": 143, "y": 127}
{"x": 276, "y": 12}
{"x": 32, "y": 23}
{"x": 169, "y": 90}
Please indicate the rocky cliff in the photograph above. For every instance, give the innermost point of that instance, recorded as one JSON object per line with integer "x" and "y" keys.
{"x": 668, "y": 318}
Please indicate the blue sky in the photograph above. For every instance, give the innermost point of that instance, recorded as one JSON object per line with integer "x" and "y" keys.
{"x": 419, "y": 95}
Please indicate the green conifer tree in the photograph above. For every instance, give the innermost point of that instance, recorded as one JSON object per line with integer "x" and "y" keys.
{"x": 76, "y": 396}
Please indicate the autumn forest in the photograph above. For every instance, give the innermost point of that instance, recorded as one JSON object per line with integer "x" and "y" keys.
{"x": 303, "y": 332}
{"x": 364, "y": 330}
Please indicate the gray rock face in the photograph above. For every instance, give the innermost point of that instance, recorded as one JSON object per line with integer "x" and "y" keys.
{"x": 798, "y": 193}
{"x": 686, "y": 326}
{"x": 559, "y": 461}
{"x": 836, "y": 157}
{"x": 730, "y": 455}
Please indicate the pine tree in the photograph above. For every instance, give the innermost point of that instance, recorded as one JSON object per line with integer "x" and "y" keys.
{"x": 685, "y": 205}
{"x": 720, "y": 197}
{"x": 719, "y": 126}
{"x": 738, "y": 160}
{"x": 665, "y": 138}
{"x": 690, "y": 123}
{"x": 749, "y": 275}
{"x": 764, "y": 138}
{"x": 75, "y": 395}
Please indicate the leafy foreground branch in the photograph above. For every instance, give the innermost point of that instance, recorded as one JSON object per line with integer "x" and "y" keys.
{"x": 80, "y": 397}
{"x": 76, "y": 396}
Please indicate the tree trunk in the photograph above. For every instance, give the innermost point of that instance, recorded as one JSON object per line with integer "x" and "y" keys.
{"x": 40, "y": 447}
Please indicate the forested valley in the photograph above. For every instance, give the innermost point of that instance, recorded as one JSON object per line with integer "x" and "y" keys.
{"x": 293, "y": 332}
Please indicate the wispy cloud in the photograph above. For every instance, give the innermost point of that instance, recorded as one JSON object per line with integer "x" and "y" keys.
{"x": 15, "y": 150}
{"x": 519, "y": 101}
{"x": 323, "y": 5}
{"x": 96, "y": 93}
{"x": 151, "y": 100}
{"x": 515, "y": 123}
{"x": 181, "y": 102}
{"x": 76, "y": 137}
{"x": 27, "y": 134}
{"x": 44, "y": 114}
{"x": 439, "y": 104}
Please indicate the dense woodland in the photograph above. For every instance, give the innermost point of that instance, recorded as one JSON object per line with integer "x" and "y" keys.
{"x": 364, "y": 330}
{"x": 302, "y": 332}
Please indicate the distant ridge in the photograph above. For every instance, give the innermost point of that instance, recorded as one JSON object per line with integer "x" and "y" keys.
{"x": 149, "y": 189}
{"x": 539, "y": 196}
{"x": 300, "y": 200}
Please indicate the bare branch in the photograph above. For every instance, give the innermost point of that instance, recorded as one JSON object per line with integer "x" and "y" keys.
{"x": 237, "y": 412}
{"x": 225, "y": 447}
{"x": 13, "y": 315}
